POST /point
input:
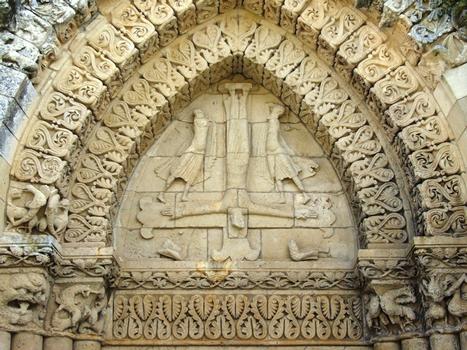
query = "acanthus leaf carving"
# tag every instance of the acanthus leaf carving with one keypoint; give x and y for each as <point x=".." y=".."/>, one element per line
<point x="371" y="171"/>
<point x="388" y="228"/>
<point x="380" y="199"/>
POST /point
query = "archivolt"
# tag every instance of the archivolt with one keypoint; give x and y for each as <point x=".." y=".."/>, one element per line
<point x="91" y="127"/>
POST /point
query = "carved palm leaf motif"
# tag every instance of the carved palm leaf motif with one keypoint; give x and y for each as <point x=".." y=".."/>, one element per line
<point x="130" y="123"/>
<point x="380" y="199"/>
<point x="263" y="45"/>
<point x="80" y="230"/>
<point x="108" y="143"/>
<point x="213" y="46"/>
<point x="370" y="171"/>
<point x="388" y="228"/>
<point x="326" y="97"/>
<point x="285" y="59"/>
<point x="164" y="76"/>
<point x="358" y="145"/>
<point x="37" y="167"/>
<point x="64" y="111"/>
<point x="378" y="64"/>
<point x="84" y="200"/>
<point x="142" y="94"/>
<point x="442" y="160"/>
<point x="51" y="140"/>
<point x="445" y="221"/>
<point x="238" y="33"/>
<point x="307" y="76"/>
<point x="114" y="45"/>
<point x="187" y="60"/>
<point x="339" y="123"/>
<point x="92" y="169"/>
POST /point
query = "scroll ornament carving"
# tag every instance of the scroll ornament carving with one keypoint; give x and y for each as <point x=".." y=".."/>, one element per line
<point x="65" y="112"/>
<point x="445" y="221"/>
<point x="79" y="267"/>
<point x="237" y="280"/>
<point x="163" y="18"/>
<point x="388" y="228"/>
<point x="439" y="160"/>
<point x="391" y="312"/>
<point x="441" y="257"/>
<point x="83" y="87"/>
<point x="375" y="67"/>
<point x="50" y="139"/>
<point x="36" y="209"/>
<point x="371" y="171"/>
<point x="80" y="309"/>
<point x="313" y="19"/>
<point x="440" y="192"/>
<point x="23" y="299"/>
<point x="100" y="66"/>
<point x="337" y="30"/>
<point x="185" y="12"/>
<point x="36" y="167"/>
<point x="387" y="269"/>
<point x="272" y="10"/>
<point x="289" y="14"/>
<point x="25" y="256"/>
<point x="237" y="317"/>
<point x="387" y="91"/>
<point x="206" y="9"/>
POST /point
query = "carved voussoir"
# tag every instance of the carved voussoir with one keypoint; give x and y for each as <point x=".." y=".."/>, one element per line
<point x="254" y="6"/>
<point x="337" y="30"/>
<point x="37" y="167"/>
<point x="445" y="221"/>
<point x="440" y="192"/>
<point x="135" y="26"/>
<point x="206" y="9"/>
<point x="375" y="67"/>
<point x="99" y="66"/>
<point x="320" y="101"/>
<point x="439" y="160"/>
<point x="289" y="14"/>
<point x="395" y="86"/>
<point x="185" y="11"/>
<point x="107" y="39"/>
<point x="278" y="67"/>
<point x="390" y="228"/>
<point x="162" y="16"/>
<point x="313" y="19"/>
<point x="356" y="48"/>
<point x="83" y="87"/>
<point x="189" y="63"/>
<point x="260" y="50"/>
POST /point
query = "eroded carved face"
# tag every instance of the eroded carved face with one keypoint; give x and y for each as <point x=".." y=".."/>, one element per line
<point x="23" y="298"/>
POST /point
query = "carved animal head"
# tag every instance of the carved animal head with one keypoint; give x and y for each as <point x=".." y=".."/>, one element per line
<point x="23" y="298"/>
<point x="405" y="295"/>
<point x="434" y="288"/>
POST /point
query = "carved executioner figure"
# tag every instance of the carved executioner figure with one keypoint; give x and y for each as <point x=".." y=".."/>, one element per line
<point x="279" y="155"/>
<point x="188" y="166"/>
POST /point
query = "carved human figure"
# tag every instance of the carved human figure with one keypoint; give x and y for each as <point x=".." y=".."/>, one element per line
<point x="297" y="254"/>
<point x="279" y="155"/>
<point x="189" y="165"/>
<point x="56" y="213"/>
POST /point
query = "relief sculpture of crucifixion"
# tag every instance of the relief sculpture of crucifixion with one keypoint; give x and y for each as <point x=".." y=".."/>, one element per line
<point x="236" y="203"/>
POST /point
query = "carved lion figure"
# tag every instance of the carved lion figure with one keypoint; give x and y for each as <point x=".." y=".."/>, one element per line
<point x="80" y="309"/>
<point x="23" y="298"/>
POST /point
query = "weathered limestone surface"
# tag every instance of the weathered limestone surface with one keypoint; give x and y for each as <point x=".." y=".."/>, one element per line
<point x="267" y="174"/>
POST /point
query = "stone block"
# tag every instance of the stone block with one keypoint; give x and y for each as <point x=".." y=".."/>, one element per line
<point x="8" y="144"/>
<point x="12" y="115"/>
<point x="16" y="85"/>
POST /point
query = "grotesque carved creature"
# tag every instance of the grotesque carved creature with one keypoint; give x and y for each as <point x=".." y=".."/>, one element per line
<point x="390" y="309"/>
<point x="80" y="309"/>
<point x="23" y="298"/>
<point x="36" y="209"/>
<point x="445" y="292"/>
